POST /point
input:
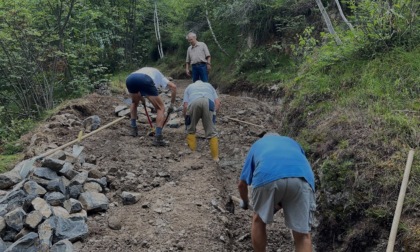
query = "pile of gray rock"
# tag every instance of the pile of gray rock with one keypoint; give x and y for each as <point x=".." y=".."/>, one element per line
<point x="44" y="205"/>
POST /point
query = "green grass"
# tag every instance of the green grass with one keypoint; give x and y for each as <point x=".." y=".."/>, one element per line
<point x="118" y="82"/>
<point x="8" y="161"/>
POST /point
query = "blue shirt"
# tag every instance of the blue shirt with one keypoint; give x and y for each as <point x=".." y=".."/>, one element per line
<point x="275" y="157"/>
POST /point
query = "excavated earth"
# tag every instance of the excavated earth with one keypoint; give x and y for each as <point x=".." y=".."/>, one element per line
<point x="183" y="194"/>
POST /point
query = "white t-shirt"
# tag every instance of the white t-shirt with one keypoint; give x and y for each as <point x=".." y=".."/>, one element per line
<point x="199" y="89"/>
<point x="157" y="77"/>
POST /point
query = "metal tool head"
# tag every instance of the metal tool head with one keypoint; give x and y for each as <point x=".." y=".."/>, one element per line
<point x="230" y="206"/>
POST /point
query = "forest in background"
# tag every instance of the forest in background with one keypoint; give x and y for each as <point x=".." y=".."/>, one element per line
<point x="346" y="72"/>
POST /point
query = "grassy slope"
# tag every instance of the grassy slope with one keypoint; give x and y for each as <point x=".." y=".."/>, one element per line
<point x="356" y="119"/>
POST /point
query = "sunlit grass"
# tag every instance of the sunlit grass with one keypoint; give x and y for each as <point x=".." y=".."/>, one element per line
<point x="8" y="161"/>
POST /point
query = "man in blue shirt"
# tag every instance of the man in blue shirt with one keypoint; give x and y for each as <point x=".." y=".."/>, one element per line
<point x="281" y="177"/>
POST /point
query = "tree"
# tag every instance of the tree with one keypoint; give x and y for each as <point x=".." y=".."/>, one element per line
<point x="157" y="31"/>
<point x="327" y="21"/>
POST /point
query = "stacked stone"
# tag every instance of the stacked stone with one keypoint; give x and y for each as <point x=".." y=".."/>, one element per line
<point x="47" y="208"/>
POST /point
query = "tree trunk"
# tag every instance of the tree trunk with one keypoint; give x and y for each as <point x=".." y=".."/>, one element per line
<point x="157" y="32"/>
<point x="211" y="30"/>
<point x="328" y="22"/>
<point x="343" y="16"/>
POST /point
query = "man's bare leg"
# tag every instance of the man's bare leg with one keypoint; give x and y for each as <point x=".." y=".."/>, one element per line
<point x="157" y="102"/>
<point x="259" y="234"/>
<point x="135" y="98"/>
<point x="303" y="242"/>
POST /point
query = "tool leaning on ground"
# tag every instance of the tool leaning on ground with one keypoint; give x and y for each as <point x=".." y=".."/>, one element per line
<point x="230" y="205"/>
<point x="152" y="132"/>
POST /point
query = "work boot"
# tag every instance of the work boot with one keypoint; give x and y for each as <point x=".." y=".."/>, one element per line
<point x="214" y="148"/>
<point x="192" y="141"/>
<point x="158" y="141"/>
<point x="134" y="131"/>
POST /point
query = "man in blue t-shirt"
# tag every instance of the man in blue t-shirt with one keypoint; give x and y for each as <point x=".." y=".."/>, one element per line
<point x="281" y="177"/>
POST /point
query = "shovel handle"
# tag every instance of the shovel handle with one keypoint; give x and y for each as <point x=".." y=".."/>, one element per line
<point x="147" y="114"/>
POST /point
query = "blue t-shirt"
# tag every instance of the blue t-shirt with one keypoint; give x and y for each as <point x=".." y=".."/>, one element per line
<point x="275" y="157"/>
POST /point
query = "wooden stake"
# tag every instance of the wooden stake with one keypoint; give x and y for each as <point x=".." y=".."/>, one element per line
<point x="398" y="209"/>
<point x="78" y="139"/>
<point x="237" y="120"/>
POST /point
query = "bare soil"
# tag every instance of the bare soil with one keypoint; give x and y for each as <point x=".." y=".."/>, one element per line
<point x="183" y="194"/>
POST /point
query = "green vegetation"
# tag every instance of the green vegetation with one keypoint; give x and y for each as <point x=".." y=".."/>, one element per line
<point x="354" y="106"/>
<point x="7" y="161"/>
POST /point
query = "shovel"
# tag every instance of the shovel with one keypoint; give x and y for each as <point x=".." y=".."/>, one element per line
<point x="230" y="205"/>
<point x="152" y="132"/>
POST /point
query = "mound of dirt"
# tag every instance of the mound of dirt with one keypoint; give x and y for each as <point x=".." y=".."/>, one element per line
<point x="182" y="194"/>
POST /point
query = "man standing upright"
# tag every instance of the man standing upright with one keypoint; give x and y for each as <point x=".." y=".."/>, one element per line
<point x="144" y="82"/>
<point x="201" y="102"/>
<point x="198" y="56"/>
<point x="281" y="177"/>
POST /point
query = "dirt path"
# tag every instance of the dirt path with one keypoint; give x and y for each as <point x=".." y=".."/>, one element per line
<point x="178" y="188"/>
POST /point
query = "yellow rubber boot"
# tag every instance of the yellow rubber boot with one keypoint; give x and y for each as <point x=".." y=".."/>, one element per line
<point x="214" y="148"/>
<point x="192" y="141"/>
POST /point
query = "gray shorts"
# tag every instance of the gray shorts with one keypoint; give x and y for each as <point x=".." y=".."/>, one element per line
<point x="200" y="109"/>
<point x="296" y="197"/>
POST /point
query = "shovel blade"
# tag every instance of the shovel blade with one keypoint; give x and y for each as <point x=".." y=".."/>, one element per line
<point x="77" y="149"/>
<point x="230" y="206"/>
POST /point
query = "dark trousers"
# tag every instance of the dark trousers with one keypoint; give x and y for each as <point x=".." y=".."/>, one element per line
<point x="199" y="72"/>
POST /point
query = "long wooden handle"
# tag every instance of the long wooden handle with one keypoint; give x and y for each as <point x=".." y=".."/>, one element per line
<point x="77" y="140"/>
<point x="398" y="209"/>
<point x="237" y="120"/>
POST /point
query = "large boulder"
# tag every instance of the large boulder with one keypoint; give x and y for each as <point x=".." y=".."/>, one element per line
<point x="56" y="185"/>
<point x="74" y="191"/>
<point x="28" y="243"/>
<point x="45" y="231"/>
<point x="79" y="179"/>
<point x="32" y="187"/>
<point x="46" y="173"/>
<point x="15" y="219"/>
<point x="33" y="219"/>
<point x="42" y="206"/>
<point x="68" y="171"/>
<point x="9" y="179"/>
<point x="62" y="246"/>
<point x="55" y="198"/>
<point x="94" y="202"/>
<point x="73" y="230"/>
<point x="13" y="198"/>
<point x="54" y="164"/>
<point x="24" y="168"/>
<point x="72" y="206"/>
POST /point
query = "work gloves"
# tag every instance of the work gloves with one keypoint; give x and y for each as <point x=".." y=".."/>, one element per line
<point x="244" y="204"/>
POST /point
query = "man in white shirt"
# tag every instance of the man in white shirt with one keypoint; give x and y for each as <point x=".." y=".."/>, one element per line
<point x="144" y="82"/>
<point x="201" y="102"/>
